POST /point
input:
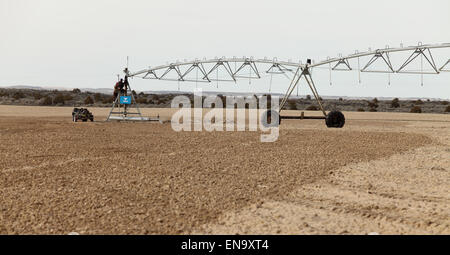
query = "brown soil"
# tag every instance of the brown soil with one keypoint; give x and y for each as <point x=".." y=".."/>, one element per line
<point x="143" y="178"/>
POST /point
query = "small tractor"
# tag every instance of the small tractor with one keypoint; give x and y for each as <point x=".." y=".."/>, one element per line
<point x="82" y="114"/>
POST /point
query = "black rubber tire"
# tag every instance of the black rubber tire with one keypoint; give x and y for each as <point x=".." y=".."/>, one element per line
<point x="92" y="119"/>
<point x="267" y="118"/>
<point x="84" y="120"/>
<point x="335" y="119"/>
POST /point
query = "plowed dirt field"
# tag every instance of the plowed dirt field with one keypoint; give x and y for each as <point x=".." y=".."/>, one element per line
<point x="377" y="174"/>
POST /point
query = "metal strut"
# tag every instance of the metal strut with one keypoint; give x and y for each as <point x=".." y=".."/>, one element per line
<point x="227" y="67"/>
<point x="342" y="62"/>
<point x="197" y="66"/>
<point x="307" y="74"/>
<point x="252" y="66"/>
<point x="177" y="70"/>
<point x="420" y="52"/>
<point x="442" y="68"/>
<point x="385" y="59"/>
<point x="150" y="72"/>
<point x="279" y="69"/>
<point x="291" y="88"/>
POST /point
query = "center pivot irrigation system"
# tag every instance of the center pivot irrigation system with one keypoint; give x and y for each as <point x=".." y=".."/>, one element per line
<point x="207" y="70"/>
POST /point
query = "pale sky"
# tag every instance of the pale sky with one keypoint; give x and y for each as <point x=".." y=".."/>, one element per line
<point x="85" y="43"/>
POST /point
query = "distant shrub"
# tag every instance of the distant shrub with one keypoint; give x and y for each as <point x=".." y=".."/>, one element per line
<point x="18" y="95"/>
<point x="59" y="99"/>
<point x="361" y="110"/>
<point x="97" y="97"/>
<point x="372" y="110"/>
<point x="375" y="100"/>
<point x="292" y="105"/>
<point x="416" y="109"/>
<point x="77" y="91"/>
<point x="308" y="97"/>
<point x="142" y="100"/>
<point x="373" y="105"/>
<point x="418" y="101"/>
<point x="142" y="94"/>
<point x="395" y="103"/>
<point x="312" y="108"/>
<point x="107" y="100"/>
<point x="68" y="97"/>
<point x="444" y="102"/>
<point x="340" y="99"/>
<point x="88" y="100"/>
<point x="163" y="101"/>
<point x="37" y="95"/>
<point x="447" y="109"/>
<point x="47" y="101"/>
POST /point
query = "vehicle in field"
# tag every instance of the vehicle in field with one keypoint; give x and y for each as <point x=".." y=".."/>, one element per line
<point x="82" y="114"/>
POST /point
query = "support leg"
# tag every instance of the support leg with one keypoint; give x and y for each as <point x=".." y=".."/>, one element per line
<point x="315" y="93"/>
<point x="113" y="106"/>
<point x="291" y="89"/>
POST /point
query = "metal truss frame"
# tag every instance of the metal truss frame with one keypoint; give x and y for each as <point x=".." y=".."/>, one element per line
<point x="280" y="69"/>
<point x="284" y="66"/>
<point x="152" y="73"/>
<point x="252" y="66"/>
<point x="383" y="51"/>
<point x="344" y="62"/>
<point x="420" y="52"/>
<point x="375" y="57"/>
<point x="170" y="68"/>
<point x="442" y="68"/>
<point x="199" y="66"/>
<point x="227" y="67"/>
<point x="302" y="70"/>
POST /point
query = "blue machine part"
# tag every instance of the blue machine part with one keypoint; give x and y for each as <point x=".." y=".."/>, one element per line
<point x="125" y="100"/>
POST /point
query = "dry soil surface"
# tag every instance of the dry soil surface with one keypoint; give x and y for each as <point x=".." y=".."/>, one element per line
<point x="377" y="174"/>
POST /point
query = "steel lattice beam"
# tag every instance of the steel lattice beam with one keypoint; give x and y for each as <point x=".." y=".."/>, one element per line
<point x="201" y="68"/>
<point x="170" y="68"/>
<point x="253" y="67"/>
<point x="385" y="57"/>
<point x="285" y="66"/>
<point x="150" y="72"/>
<point x="227" y="67"/>
<point x="344" y="62"/>
<point x="419" y="52"/>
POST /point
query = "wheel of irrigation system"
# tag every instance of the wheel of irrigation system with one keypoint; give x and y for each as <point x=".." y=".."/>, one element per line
<point x="267" y="117"/>
<point x="335" y="119"/>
